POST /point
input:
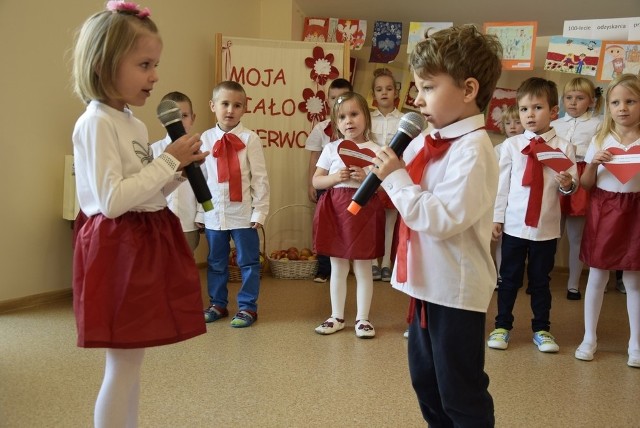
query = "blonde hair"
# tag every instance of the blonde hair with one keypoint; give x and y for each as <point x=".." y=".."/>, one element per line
<point x="510" y="112"/>
<point x="462" y="52"/>
<point x="228" y="85"/>
<point x="364" y="107"/>
<point x="608" y="126"/>
<point x="101" y="43"/>
<point x="586" y="86"/>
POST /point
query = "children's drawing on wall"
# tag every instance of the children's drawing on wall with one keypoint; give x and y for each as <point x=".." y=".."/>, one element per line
<point x="421" y="30"/>
<point x="617" y="58"/>
<point x="385" y="43"/>
<point x="410" y="97"/>
<point x="315" y="30"/>
<point x="321" y="30"/>
<point x="518" y="43"/>
<point x="502" y="98"/>
<point x="572" y="55"/>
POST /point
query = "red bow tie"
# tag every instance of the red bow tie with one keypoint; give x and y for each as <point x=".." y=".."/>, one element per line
<point x="225" y="150"/>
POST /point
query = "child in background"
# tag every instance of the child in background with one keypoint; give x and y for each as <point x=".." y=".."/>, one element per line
<point x="320" y="136"/>
<point x="182" y="202"/>
<point x="135" y="282"/>
<point x="237" y="176"/>
<point x="527" y="213"/>
<point x="443" y="259"/>
<point x="577" y="126"/>
<point x="384" y="124"/>
<point x="338" y="233"/>
<point x="611" y="237"/>
<point x="510" y="126"/>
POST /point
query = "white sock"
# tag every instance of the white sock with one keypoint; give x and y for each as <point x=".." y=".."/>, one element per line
<point x="364" y="281"/>
<point x="338" y="285"/>
<point x="117" y="402"/>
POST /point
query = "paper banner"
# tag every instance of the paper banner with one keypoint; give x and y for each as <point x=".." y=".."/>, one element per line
<point x="575" y="56"/>
<point x="624" y="165"/>
<point x="385" y="43"/>
<point x="602" y="29"/>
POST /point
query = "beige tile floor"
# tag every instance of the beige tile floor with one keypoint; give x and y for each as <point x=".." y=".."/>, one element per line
<point x="279" y="373"/>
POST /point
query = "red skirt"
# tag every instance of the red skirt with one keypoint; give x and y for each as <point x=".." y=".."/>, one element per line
<point x="611" y="236"/>
<point x="575" y="205"/>
<point x="135" y="282"/>
<point x="338" y="233"/>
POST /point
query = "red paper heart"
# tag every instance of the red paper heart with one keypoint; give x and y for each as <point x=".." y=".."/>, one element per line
<point x="623" y="171"/>
<point x="351" y="154"/>
<point x="557" y="164"/>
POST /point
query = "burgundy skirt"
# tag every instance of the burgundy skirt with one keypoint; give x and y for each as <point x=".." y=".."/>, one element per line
<point x="338" y="233"/>
<point x="611" y="236"/>
<point x="575" y="205"/>
<point x="135" y="281"/>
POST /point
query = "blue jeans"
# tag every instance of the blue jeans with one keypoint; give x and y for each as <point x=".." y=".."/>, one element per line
<point x="247" y="244"/>
<point x="539" y="257"/>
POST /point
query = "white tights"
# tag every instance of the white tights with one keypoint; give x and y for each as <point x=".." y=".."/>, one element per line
<point x="338" y="286"/>
<point x="117" y="402"/>
<point x="574" y="227"/>
<point x="596" y="284"/>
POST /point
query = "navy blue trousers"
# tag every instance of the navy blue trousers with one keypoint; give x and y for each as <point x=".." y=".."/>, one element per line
<point x="446" y="363"/>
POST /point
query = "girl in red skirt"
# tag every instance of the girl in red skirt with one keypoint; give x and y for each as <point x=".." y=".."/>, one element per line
<point x="578" y="126"/>
<point x="338" y="233"/>
<point x="135" y="281"/>
<point x="611" y="238"/>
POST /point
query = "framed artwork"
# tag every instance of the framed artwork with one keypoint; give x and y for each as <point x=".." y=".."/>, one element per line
<point x="571" y="55"/>
<point x="617" y="58"/>
<point x="501" y="99"/>
<point x="518" y="43"/>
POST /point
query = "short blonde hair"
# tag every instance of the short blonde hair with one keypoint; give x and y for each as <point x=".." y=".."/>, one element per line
<point x="364" y="106"/>
<point x="228" y="85"/>
<point x="101" y="43"/>
<point x="586" y="86"/>
<point x="510" y="112"/>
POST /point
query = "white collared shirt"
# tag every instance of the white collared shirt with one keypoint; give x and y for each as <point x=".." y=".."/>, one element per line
<point x="317" y="139"/>
<point x="449" y="215"/>
<point x="578" y="131"/>
<point x="513" y="197"/>
<point x="383" y="127"/>
<point x="254" y="207"/>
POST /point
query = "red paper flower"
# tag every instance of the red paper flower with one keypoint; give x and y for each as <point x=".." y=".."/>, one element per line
<point x="321" y="66"/>
<point x="314" y="105"/>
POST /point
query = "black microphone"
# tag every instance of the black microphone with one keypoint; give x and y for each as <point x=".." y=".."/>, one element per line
<point x="410" y="126"/>
<point x="171" y="117"/>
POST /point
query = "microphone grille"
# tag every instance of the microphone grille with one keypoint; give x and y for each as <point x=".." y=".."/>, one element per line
<point x="168" y="112"/>
<point x="412" y="124"/>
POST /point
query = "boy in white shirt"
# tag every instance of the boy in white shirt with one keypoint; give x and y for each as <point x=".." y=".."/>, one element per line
<point x="527" y="213"/>
<point x="182" y="201"/>
<point x="237" y="176"/>
<point x="443" y="260"/>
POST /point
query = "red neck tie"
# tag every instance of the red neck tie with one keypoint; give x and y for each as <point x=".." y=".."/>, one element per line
<point x="434" y="148"/>
<point x="328" y="130"/>
<point x="226" y="151"/>
<point x="534" y="178"/>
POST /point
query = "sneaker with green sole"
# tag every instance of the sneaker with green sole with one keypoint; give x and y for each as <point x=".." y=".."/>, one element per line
<point x="243" y="319"/>
<point x="214" y="313"/>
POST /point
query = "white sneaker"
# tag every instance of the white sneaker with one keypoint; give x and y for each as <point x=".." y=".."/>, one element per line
<point x="634" y="359"/>
<point x="499" y="338"/>
<point x="545" y="341"/>
<point x="330" y="326"/>
<point x="364" y="329"/>
<point x="585" y="351"/>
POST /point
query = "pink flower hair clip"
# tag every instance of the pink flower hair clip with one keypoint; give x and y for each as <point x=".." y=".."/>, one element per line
<point x="122" y="6"/>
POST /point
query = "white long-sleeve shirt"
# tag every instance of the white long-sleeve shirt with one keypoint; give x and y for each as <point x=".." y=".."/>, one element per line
<point x="182" y="201"/>
<point x="317" y="139"/>
<point x="383" y="127"/>
<point x="578" y="131"/>
<point x="513" y="197"/>
<point x="449" y="214"/>
<point x="254" y="207"/>
<point x="114" y="166"/>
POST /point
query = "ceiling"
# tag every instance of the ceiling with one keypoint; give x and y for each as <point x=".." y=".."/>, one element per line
<point x="550" y="15"/>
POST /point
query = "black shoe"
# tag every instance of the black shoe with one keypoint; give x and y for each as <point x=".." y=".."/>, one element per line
<point x="573" y="294"/>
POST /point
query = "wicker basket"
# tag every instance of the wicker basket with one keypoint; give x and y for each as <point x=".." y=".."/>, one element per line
<point x="234" y="271"/>
<point x="292" y="269"/>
